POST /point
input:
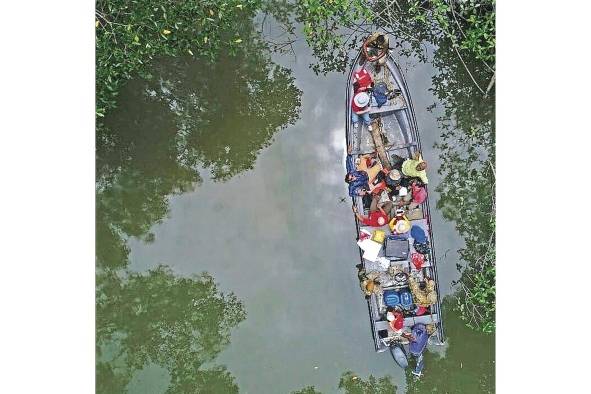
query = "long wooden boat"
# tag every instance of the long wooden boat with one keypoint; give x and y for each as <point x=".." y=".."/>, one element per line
<point x="395" y="120"/>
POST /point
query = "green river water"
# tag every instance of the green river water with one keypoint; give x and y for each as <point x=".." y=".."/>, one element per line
<point x="259" y="293"/>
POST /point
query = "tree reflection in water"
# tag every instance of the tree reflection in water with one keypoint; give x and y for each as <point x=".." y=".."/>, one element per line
<point x="158" y="318"/>
<point x="218" y="115"/>
<point x="213" y="113"/>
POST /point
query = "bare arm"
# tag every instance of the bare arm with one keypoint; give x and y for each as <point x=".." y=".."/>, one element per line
<point x="359" y="217"/>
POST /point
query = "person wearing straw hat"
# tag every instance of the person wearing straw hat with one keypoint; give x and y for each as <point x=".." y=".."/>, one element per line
<point x="360" y="109"/>
<point x="399" y="223"/>
<point x="368" y="281"/>
<point x="375" y="49"/>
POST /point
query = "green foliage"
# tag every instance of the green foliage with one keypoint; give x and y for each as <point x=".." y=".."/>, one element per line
<point x="470" y="25"/>
<point x="225" y="132"/>
<point x="307" y="390"/>
<point x="183" y="112"/>
<point x="460" y="370"/>
<point x="467" y="188"/>
<point x="158" y="318"/>
<point x="323" y="20"/>
<point x="131" y="33"/>
<point x="332" y="27"/>
<point x="462" y="35"/>
<point x="353" y="384"/>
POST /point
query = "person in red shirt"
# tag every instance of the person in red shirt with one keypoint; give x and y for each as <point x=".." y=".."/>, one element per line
<point x="377" y="214"/>
<point x="360" y="109"/>
<point x="362" y="81"/>
<point x="395" y="318"/>
<point x="419" y="195"/>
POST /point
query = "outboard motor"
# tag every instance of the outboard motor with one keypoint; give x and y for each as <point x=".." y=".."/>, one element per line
<point x="416" y="347"/>
<point x="399" y="355"/>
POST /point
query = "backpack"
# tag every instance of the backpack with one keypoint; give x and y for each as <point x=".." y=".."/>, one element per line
<point x="422" y="248"/>
<point x="380" y="93"/>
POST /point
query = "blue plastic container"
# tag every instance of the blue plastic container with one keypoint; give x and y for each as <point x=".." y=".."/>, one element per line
<point x="391" y="298"/>
<point x="405" y="299"/>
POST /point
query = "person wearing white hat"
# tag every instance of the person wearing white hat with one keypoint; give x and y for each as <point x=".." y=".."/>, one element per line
<point x="360" y="109"/>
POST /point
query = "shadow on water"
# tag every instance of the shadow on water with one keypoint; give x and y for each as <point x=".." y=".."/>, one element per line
<point x="190" y="114"/>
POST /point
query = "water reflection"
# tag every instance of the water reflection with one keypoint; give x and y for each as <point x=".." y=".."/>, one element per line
<point x="152" y="144"/>
<point x="190" y="113"/>
<point x="228" y="111"/>
<point x="158" y="318"/>
<point x="351" y="383"/>
<point x="468" y="366"/>
<point x="219" y="116"/>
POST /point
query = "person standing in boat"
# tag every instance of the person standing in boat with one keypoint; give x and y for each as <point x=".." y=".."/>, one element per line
<point x="360" y="109"/>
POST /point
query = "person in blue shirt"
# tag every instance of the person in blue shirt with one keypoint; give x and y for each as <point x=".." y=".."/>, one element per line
<point x="357" y="179"/>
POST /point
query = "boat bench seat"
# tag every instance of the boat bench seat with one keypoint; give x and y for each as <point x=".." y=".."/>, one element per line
<point x="408" y="321"/>
<point x="394" y="104"/>
<point x="425" y="319"/>
<point x="381" y="325"/>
